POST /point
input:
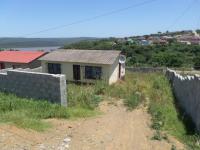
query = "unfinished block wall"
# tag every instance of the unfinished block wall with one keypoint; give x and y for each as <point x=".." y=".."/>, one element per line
<point x="187" y="92"/>
<point x="145" y="69"/>
<point x="35" y="85"/>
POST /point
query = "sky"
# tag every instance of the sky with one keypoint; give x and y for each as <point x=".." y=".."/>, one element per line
<point x="25" y="18"/>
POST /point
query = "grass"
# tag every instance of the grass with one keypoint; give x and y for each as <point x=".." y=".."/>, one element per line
<point x="26" y="113"/>
<point x="128" y="91"/>
<point x="166" y="116"/>
<point x="88" y="96"/>
<point x="82" y="96"/>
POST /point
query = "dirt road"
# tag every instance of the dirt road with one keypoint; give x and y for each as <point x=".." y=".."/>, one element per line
<point x="115" y="129"/>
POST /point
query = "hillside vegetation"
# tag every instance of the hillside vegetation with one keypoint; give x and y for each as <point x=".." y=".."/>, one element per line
<point x="170" y="55"/>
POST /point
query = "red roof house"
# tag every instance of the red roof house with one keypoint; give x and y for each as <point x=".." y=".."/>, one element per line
<point x="20" y="59"/>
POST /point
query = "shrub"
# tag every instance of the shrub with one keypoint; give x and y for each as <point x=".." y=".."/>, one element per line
<point x="197" y="62"/>
<point x="100" y="87"/>
<point x="132" y="101"/>
<point x="83" y="96"/>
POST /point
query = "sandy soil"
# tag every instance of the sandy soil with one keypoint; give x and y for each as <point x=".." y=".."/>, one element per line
<point x="115" y="129"/>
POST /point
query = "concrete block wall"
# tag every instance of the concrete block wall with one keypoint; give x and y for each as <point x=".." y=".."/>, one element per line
<point x="145" y="69"/>
<point x="35" y="85"/>
<point x="187" y="92"/>
<point x="39" y="69"/>
<point x="5" y="70"/>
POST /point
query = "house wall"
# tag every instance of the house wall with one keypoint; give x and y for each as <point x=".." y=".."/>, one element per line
<point x="146" y="69"/>
<point x="114" y="72"/>
<point x="35" y="85"/>
<point x="109" y="72"/>
<point x="33" y="64"/>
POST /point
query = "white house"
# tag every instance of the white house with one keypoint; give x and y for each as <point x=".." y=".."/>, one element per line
<point x="85" y="65"/>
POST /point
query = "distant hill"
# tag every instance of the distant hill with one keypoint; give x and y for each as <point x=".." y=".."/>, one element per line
<point x="39" y="42"/>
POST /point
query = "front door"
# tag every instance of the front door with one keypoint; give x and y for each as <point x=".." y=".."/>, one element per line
<point x="120" y="65"/>
<point x="2" y="66"/>
<point x="76" y="72"/>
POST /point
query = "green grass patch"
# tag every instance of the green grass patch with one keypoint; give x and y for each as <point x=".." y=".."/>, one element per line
<point x="76" y="112"/>
<point x="132" y="101"/>
<point x="20" y="119"/>
<point x="83" y="96"/>
<point x="29" y="113"/>
<point x="129" y="91"/>
<point x="89" y="96"/>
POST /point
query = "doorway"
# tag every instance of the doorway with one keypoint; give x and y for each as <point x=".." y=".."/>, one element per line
<point x="120" y="65"/>
<point x="76" y="72"/>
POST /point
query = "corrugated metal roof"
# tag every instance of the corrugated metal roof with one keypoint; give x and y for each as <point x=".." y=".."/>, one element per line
<point x="19" y="56"/>
<point x="83" y="56"/>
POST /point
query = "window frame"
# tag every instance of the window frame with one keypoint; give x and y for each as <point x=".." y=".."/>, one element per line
<point x="93" y="72"/>
<point x="54" y="68"/>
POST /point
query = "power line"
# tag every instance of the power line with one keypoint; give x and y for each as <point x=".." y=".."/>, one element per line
<point x="92" y="18"/>
<point x="182" y="14"/>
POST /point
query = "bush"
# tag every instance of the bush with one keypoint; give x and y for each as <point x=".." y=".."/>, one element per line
<point x="168" y="59"/>
<point x="100" y="87"/>
<point x="83" y="96"/>
<point x="197" y="62"/>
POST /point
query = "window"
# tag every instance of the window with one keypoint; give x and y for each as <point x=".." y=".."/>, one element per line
<point x="92" y="72"/>
<point x="54" y="68"/>
<point x="2" y="66"/>
<point x="13" y="66"/>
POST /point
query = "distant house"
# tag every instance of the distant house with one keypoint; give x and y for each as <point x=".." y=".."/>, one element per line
<point x="185" y="42"/>
<point x="20" y="59"/>
<point x="85" y="65"/>
<point x="189" y="40"/>
<point x="160" y="41"/>
<point x="145" y="42"/>
<point x="130" y="41"/>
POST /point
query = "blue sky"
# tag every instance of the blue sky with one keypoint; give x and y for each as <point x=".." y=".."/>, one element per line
<point x="21" y="17"/>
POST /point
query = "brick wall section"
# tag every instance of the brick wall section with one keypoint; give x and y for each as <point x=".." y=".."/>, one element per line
<point x="187" y="92"/>
<point x="145" y="69"/>
<point x="5" y="70"/>
<point x="35" y="85"/>
<point x="39" y="69"/>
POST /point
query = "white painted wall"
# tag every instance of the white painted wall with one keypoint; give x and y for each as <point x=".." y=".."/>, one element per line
<point x="114" y="72"/>
<point x="109" y="72"/>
